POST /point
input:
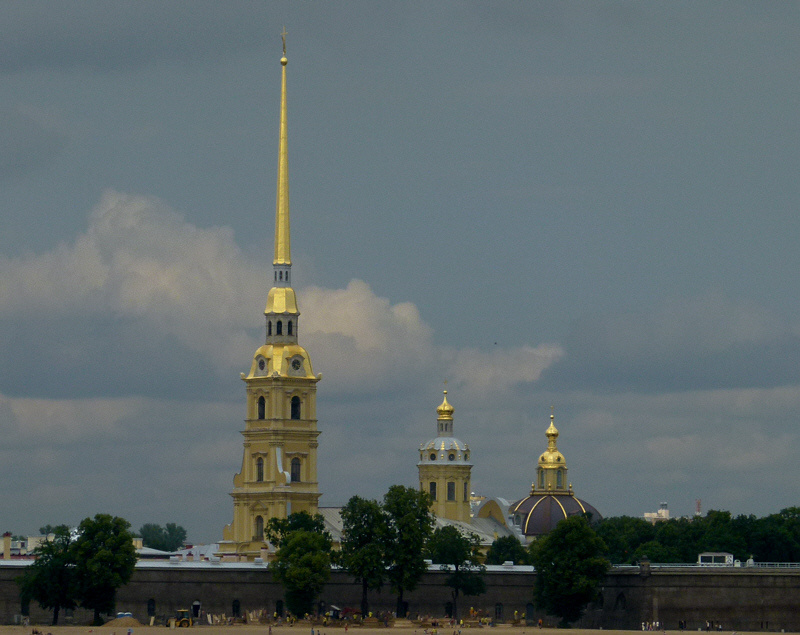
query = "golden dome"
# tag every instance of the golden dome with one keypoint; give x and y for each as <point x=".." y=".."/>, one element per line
<point x="445" y="410"/>
<point x="551" y="457"/>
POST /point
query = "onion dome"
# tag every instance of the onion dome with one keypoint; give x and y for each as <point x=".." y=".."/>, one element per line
<point x="445" y="448"/>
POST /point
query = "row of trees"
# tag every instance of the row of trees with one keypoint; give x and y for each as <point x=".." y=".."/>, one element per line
<point x="383" y="542"/>
<point x="773" y="538"/>
<point x="82" y="567"/>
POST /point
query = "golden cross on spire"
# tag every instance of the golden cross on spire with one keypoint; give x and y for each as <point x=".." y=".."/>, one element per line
<point x="283" y="37"/>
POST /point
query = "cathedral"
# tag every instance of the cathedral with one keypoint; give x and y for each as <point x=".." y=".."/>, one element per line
<point x="279" y="463"/>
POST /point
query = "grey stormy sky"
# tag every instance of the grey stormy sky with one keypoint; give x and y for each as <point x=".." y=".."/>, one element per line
<point x="591" y="205"/>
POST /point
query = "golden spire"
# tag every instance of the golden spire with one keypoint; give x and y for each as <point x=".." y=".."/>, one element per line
<point x="283" y="254"/>
<point x="552" y="432"/>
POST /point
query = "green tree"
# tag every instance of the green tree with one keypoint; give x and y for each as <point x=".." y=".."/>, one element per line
<point x="303" y="566"/>
<point x="507" y="548"/>
<point x="50" y="580"/>
<point x="104" y="558"/>
<point x="47" y="530"/>
<point x="458" y="554"/>
<point x="169" y="538"/>
<point x="364" y="539"/>
<point x="409" y="526"/>
<point x="623" y="535"/>
<point x="570" y="568"/>
<point x="278" y="529"/>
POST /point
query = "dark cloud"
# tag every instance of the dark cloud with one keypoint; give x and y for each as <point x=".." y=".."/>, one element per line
<point x="27" y="143"/>
<point x="704" y="344"/>
<point x="122" y="34"/>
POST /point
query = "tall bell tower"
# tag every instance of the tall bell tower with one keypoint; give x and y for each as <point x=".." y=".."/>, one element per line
<point x="279" y="464"/>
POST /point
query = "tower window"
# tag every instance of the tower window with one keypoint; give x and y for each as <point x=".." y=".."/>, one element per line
<point x="287" y="276"/>
<point x="280" y="275"/>
<point x="259" y="469"/>
<point x="451" y="457"/>
<point x="466" y="491"/>
<point x="279" y="328"/>
<point x="295" y="414"/>
<point x="451" y="491"/>
<point x="269" y="328"/>
<point x="433" y="490"/>
<point x="433" y="456"/>
<point x="558" y="478"/>
<point x="295" y="470"/>
<point x="262" y="407"/>
<point x="289" y="328"/>
<point x="258" y="534"/>
<point x="541" y="478"/>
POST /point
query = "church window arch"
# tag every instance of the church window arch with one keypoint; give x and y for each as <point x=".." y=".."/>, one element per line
<point x="258" y="533"/>
<point x="259" y="469"/>
<point x="280" y="275"/>
<point x="262" y="407"/>
<point x="559" y="478"/>
<point x="432" y="490"/>
<point x="289" y="328"/>
<point x="269" y="327"/>
<point x="287" y="276"/>
<point x="295" y="408"/>
<point x="541" y="478"/>
<point x="295" y="474"/>
<point x="278" y="328"/>
<point x="451" y="490"/>
<point x="466" y="491"/>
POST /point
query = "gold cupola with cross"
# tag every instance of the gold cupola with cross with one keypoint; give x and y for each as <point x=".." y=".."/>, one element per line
<point x="551" y="498"/>
<point x="445" y="469"/>
<point x="279" y="463"/>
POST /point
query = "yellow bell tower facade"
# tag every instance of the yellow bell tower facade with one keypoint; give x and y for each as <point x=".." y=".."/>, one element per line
<point x="279" y="464"/>
<point x="444" y="469"/>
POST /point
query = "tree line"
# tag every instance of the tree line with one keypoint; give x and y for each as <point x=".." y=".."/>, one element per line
<point x="386" y="542"/>
<point x="773" y="538"/>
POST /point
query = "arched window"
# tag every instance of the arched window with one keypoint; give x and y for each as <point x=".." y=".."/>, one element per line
<point x="466" y="490"/>
<point x="269" y="327"/>
<point x="287" y="276"/>
<point x="280" y="276"/>
<point x="432" y="490"/>
<point x="289" y="328"/>
<point x="541" y="478"/>
<point x="558" y="478"/>
<point x="295" y="470"/>
<point x="295" y="407"/>
<point x="258" y="534"/>
<point x="279" y="328"/>
<point x="259" y="469"/>
<point x="451" y="491"/>
<point x="262" y="407"/>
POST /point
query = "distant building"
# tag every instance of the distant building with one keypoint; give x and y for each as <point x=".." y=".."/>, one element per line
<point x="658" y="516"/>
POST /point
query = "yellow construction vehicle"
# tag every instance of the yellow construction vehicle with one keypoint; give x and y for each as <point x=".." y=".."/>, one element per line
<point x="183" y="618"/>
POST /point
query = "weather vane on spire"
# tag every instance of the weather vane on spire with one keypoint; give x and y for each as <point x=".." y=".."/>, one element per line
<point x="283" y="37"/>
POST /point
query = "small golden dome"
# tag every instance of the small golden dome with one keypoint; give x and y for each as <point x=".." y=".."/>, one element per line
<point x="445" y="410"/>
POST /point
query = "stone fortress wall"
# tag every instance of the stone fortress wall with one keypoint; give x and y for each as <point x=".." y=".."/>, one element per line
<point x="742" y="599"/>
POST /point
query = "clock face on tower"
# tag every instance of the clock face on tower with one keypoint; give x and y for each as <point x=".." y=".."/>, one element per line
<point x="296" y="366"/>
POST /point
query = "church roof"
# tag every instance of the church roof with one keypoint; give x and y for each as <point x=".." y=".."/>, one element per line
<point x="540" y="512"/>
